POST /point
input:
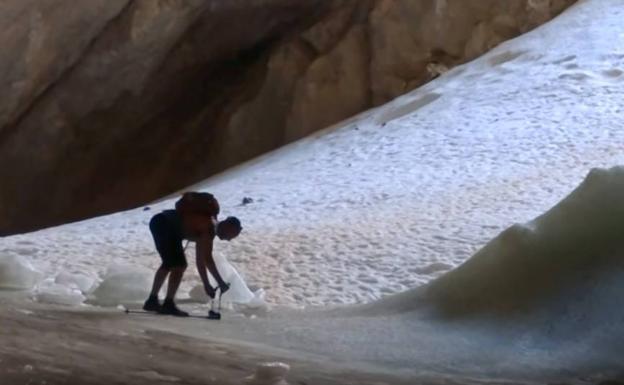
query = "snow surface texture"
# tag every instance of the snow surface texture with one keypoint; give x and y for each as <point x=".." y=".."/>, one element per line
<point x="395" y="197"/>
<point x="123" y="285"/>
<point x="17" y="273"/>
<point x="269" y="373"/>
<point x="541" y="301"/>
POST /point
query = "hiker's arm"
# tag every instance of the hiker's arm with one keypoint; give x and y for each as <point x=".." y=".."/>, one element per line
<point x="205" y="254"/>
<point x="200" y="261"/>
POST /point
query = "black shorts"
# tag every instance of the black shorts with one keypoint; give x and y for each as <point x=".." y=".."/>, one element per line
<point x="168" y="242"/>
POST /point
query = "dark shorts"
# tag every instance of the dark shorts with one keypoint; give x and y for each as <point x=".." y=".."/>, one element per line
<point x="168" y="242"/>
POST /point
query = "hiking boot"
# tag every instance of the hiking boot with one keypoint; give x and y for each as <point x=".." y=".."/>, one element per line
<point x="170" y="308"/>
<point x="151" y="304"/>
<point x="214" y="315"/>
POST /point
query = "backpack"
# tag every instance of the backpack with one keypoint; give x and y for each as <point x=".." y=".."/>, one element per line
<point x="202" y="203"/>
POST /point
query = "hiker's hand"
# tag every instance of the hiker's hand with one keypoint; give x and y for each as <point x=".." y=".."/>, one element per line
<point x="210" y="291"/>
<point x="224" y="287"/>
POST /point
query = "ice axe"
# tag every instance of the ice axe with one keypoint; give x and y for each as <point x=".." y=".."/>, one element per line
<point x="212" y="314"/>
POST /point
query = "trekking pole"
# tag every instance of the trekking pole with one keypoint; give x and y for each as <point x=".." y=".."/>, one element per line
<point x="215" y="314"/>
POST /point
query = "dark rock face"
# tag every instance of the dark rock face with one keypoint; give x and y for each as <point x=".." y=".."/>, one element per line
<point x="108" y="104"/>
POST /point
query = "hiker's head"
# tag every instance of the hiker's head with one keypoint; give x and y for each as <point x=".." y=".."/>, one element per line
<point x="229" y="228"/>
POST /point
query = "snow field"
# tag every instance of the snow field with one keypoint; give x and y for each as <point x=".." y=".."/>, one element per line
<point x="396" y="197"/>
<point x="17" y="273"/>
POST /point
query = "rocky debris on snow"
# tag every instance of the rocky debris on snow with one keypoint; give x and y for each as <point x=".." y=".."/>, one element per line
<point x="269" y="373"/>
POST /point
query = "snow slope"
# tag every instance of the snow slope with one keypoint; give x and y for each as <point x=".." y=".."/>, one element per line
<point x="397" y="196"/>
<point x="393" y="199"/>
<point x="541" y="301"/>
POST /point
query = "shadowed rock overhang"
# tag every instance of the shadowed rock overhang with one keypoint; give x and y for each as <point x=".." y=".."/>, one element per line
<point x="108" y="104"/>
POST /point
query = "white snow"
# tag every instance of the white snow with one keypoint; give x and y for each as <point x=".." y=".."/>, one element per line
<point x="64" y="293"/>
<point x="123" y="285"/>
<point x="362" y="210"/>
<point x="239" y="292"/>
<point x="400" y="195"/>
<point x="269" y="373"/>
<point x="17" y="273"/>
<point x="543" y="299"/>
<point x="85" y="283"/>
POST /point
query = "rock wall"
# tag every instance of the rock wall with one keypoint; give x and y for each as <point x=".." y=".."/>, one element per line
<point x="108" y="104"/>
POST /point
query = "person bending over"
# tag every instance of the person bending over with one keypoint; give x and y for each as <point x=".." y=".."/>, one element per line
<point x="194" y="219"/>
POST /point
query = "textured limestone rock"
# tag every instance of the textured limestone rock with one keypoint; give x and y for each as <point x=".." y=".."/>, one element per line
<point x="409" y="36"/>
<point x="334" y="87"/>
<point x="108" y="104"/>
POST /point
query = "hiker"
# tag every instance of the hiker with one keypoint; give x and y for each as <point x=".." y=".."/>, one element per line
<point x="194" y="219"/>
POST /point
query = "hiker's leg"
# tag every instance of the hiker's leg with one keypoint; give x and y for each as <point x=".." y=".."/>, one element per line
<point x="175" y="277"/>
<point x="164" y="242"/>
<point x="174" y="281"/>
<point x="159" y="279"/>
